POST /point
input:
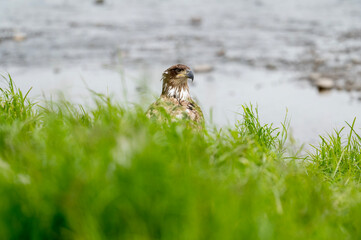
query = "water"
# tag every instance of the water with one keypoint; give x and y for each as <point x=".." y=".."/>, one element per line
<point x="261" y="51"/>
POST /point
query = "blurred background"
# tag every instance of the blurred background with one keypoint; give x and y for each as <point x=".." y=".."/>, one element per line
<point x="303" y="57"/>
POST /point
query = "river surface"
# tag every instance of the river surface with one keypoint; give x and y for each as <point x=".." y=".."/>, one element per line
<point x="262" y="52"/>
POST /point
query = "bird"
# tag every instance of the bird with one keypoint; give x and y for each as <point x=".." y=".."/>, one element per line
<point x="175" y="99"/>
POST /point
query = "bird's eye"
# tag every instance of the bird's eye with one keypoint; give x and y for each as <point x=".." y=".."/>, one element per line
<point x="178" y="70"/>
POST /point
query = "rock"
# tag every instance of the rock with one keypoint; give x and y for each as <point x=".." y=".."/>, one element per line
<point x="357" y="86"/>
<point x="324" y="84"/>
<point x="314" y="77"/>
<point x="348" y="88"/>
<point x="196" y="21"/>
<point x="203" y="68"/>
<point x="356" y="61"/>
<point x="99" y="1"/>
<point x="250" y="62"/>
<point x="74" y="24"/>
<point x="270" y="66"/>
<point x="348" y="85"/>
<point x="221" y="53"/>
<point x="56" y="70"/>
<point x="19" y="37"/>
<point x="338" y="85"/>
<point x="319" y="61"/>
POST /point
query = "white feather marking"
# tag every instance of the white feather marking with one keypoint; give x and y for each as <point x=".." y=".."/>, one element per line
<point x="172" y="92"/>
<point x="183" y="94"/>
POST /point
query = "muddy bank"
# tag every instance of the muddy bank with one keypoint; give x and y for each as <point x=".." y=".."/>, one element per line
<point x="308" y="37"/>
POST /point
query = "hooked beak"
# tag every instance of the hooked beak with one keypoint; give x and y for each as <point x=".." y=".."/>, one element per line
<point x="190" y="75"/>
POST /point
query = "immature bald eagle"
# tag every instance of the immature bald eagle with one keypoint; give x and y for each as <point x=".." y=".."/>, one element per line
<point x="175" y="98"/>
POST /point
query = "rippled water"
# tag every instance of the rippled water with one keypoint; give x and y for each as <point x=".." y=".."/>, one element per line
<point x="261" y="51"/>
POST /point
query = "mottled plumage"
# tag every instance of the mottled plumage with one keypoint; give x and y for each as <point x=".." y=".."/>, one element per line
<point x="175" y="98"/>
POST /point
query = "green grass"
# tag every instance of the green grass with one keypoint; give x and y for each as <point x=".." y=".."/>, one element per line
<point x="110" y="173"/>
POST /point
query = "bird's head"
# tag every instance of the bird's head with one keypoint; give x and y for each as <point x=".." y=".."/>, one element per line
<point x="175" y="81"/>
<point x="177" y="74"/>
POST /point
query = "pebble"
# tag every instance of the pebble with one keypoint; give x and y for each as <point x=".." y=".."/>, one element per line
<point x="203" y="68"/>
<point x="325" y="83"/>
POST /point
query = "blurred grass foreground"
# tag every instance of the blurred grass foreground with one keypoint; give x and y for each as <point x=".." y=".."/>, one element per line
<point x="110" y="173"/>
